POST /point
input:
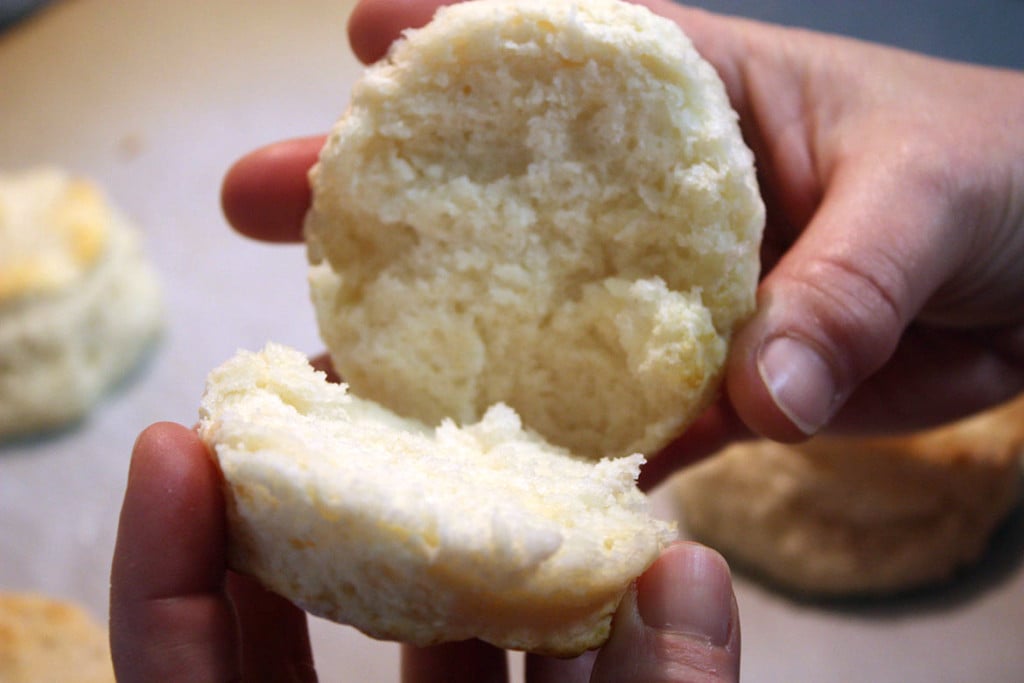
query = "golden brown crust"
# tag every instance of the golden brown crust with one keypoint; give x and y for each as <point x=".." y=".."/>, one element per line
<point x="996" y="436"/>
<point x="45" y="639"/>
<point x="847" y="516"/>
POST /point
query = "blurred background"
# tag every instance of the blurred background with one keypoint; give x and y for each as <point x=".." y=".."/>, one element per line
<point x="154" y="100"/>
<point x="986" y="32"/>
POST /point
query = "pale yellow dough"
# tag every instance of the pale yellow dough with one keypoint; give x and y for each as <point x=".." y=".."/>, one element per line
<point x="547" y="204"/>
<point x="416" y="533"/>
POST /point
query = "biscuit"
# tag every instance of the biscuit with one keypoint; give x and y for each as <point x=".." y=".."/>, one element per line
<point x="416" y="533"/>
<point x="542" y="203"/>
<point x="44" y="639"/>
<point x="842" y="516"/>
<point x="532" y="235"/>
<point x="78" y="301"/>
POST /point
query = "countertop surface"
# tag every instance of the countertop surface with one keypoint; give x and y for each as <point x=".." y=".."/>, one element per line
<point x="154" y="100"/>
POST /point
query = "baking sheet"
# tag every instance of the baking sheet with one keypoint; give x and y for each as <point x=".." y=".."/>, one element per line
<point x="154" y="100"/>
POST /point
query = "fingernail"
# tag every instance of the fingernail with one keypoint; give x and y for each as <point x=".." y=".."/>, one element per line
<point x="688" y="591"/>
<point x="799" y="381"/>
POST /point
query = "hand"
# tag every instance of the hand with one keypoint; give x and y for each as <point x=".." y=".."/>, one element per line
<point x="892" y="295"/>
<point x="178" y="614"/>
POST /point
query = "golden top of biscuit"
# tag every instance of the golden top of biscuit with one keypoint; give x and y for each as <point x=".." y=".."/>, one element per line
<point x="43" y="639"/>
<point x="992" y="438"/>
<point x="53" y="229"/>
<point x="858" y="516"/>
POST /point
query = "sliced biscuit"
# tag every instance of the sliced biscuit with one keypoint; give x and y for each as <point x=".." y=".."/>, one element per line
<point x="417" y="533"/>
<point x="542" y="203"/>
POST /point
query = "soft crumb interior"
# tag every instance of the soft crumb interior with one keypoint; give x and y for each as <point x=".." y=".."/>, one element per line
<point x="544" y="217"/>
<point x="277" y="424"/>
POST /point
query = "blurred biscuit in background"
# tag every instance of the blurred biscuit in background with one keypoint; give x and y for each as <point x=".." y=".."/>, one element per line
<point x="79" y="302"/>
<point x="859" y="516"/>
<point x="44" y="639"/>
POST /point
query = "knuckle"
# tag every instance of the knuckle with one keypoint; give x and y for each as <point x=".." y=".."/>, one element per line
<point x="856" y="310"/>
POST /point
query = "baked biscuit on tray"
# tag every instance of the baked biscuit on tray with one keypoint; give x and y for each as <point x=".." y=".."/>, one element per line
<point x="79" y="301"/>
<point x="859" y="516"/>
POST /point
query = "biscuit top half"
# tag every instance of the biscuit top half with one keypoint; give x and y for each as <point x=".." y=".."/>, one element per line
<point x="542" y="203"/>
<point x="53" y="230"/>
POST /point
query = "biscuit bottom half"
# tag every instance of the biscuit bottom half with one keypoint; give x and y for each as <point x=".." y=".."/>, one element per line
<point x="415" y="533"/>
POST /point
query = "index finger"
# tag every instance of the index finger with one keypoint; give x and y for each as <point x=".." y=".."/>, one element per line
<point x="169" y="616"/>
<point x="266" y="193"/>
<point x="173" y="617"/>
<point x="375" y="24"/>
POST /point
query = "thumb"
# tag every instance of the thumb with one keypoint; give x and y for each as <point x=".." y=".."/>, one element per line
<point x="834" y="308"/>
<point x="679" y="625"/>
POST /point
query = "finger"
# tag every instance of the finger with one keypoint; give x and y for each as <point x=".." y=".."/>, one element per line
<point x="266" y="193"/>
<point x="274" y="635"/>
<point x="324" y="364"/>
<point x="832" y="311"/>
<point x="680" y="624"/>
<point x="716" y="428"/>
<point x="553" y="670"/>
<point x="934" y="377"/>
<point x="468" y="660"/>
<point x="375" y="24"/>
<point x="169" y="617"/>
